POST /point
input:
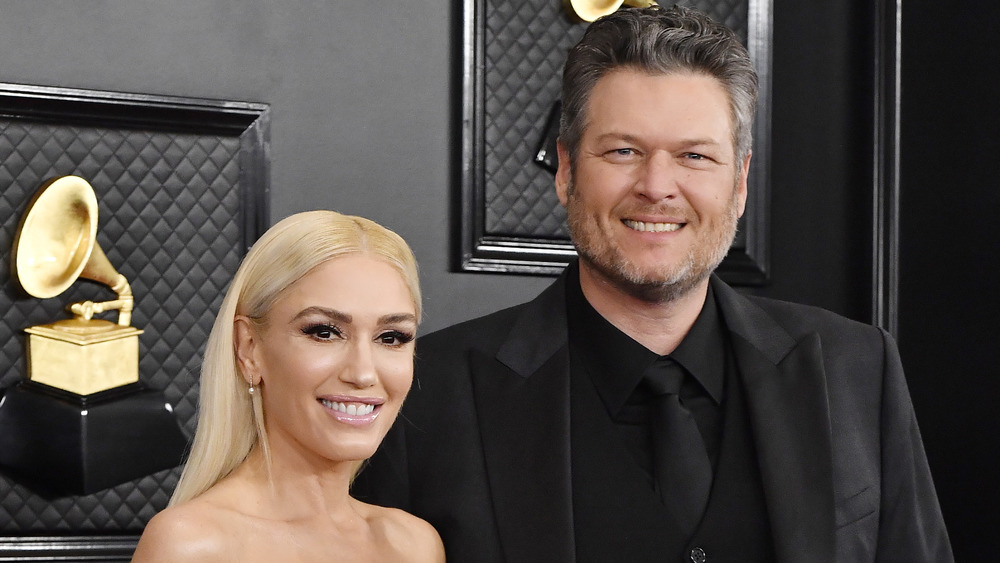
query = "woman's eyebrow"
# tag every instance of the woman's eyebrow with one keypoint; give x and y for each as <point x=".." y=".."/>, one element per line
<point x="347" y="318"/>
<point x="332" y="314"/>
<point x="398" y="318"/>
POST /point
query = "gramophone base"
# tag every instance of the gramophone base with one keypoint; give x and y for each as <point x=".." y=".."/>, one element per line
<point x="65" y="443"/>
<point x="83" y="357"/>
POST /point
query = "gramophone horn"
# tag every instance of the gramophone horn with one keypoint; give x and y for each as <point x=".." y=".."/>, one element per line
<point x="56" y="236"/>
<point x="56" y="243"/>
<point x="590" y="10"/>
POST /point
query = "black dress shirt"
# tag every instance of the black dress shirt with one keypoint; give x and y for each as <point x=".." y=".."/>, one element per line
<point x="615" y="364"/>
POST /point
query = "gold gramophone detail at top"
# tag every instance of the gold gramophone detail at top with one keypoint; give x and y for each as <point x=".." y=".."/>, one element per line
<point x="590" y="10"/>
<point x="56" y="243"/>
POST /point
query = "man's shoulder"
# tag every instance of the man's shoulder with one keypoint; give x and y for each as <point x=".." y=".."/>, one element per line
<point x="834" y="329"/>
<point x="480" y="331"/>
<point x="789" y="311"/>
<point x="796" y="318"/>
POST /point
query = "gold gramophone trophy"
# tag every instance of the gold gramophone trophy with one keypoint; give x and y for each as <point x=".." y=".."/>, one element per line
<point x="55" y="244"/>
<point x="82" y="421"/>
<point x="590" y="10"/>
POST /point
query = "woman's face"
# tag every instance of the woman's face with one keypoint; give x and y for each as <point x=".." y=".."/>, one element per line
<point x="334" y="359"/>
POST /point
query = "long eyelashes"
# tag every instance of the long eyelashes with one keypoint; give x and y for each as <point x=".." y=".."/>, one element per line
<point x="395" y="338"/>
<point x="322" y="331"/>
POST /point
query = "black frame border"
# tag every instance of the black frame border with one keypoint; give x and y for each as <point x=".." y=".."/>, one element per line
<point x="886" y="160"/>
<point x="249" y="121"/>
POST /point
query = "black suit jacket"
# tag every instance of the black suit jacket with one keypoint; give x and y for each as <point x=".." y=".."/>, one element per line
<point x="481" y="449"/>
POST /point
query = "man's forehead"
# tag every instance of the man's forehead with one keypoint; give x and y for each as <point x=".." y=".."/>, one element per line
<point x="632" y="103"/>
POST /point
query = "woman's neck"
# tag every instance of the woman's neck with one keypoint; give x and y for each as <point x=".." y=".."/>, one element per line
<point x="299" y="486"/>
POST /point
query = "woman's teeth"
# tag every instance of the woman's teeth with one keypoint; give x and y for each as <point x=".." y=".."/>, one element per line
<point x="349" y="408"/>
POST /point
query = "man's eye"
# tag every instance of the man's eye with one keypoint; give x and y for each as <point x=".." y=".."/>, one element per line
<point x="322" y="331"/>
<point x="624" y="154"/>
<point x="695" y="156"/>
<point x="395" y="338"/>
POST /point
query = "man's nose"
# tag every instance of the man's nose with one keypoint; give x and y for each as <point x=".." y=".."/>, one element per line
<point x="658" y="177"/>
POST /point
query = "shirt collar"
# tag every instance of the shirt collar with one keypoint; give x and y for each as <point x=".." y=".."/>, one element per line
<point x="703" y="350"/>
<point x="619" y="361"/>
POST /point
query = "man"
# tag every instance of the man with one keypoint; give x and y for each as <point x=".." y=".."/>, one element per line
<point x="545" y="432"/>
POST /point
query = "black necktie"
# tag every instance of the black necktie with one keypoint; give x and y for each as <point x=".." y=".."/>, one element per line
<point x="680" y="462"/>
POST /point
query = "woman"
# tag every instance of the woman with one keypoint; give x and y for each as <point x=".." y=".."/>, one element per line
<point x="307" y="365"/>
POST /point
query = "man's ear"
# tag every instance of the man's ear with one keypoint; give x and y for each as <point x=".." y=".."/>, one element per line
<point x="246" y="346"/>
<point x="741" y="184"/>
<point x="563" y="174"/>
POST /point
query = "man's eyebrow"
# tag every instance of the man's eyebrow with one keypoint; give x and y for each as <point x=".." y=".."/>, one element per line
<point x="700" y="142"/>
<point x="629" y="138"/>
<point x="614" y="135"/>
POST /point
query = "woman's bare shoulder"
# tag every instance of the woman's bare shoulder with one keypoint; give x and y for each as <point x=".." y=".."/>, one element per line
<point x="192" y="531"/>
<point x="413" y="538"/>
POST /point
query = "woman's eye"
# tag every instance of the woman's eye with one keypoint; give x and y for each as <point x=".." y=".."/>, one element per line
<point x="322" y="331"/>
<point x="395" y="338"/>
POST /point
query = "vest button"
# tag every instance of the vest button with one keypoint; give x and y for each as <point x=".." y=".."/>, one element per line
<point x="698" y="555"/>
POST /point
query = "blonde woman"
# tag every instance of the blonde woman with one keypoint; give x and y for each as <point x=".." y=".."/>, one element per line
<point x="307" y="365"/>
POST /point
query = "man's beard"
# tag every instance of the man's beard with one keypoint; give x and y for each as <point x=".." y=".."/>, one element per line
<point x="658" y="284"/>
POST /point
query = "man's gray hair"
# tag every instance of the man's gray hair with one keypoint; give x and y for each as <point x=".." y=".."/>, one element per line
<point x="659" y="41"/>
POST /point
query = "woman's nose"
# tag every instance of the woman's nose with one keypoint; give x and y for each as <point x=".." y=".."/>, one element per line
<point x="360" y="369"/>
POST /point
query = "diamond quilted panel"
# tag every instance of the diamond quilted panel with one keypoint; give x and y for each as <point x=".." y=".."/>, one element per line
<point x="171" y="222"/>
<point x="525" y="46"/>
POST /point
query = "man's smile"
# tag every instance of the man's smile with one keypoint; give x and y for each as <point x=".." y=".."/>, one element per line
<point x="650" y="227"/>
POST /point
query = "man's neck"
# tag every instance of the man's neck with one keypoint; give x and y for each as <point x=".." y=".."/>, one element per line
<point x="659" y="326"/>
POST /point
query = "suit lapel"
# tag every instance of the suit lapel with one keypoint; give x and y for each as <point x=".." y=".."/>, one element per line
<point x="787" y="402"/>
<point x="522" y="397"/>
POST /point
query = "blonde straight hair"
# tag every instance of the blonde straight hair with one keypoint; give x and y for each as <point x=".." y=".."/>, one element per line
<point x="231" y="420"/>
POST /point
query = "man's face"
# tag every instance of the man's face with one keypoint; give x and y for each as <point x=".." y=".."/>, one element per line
<point x="655" y="193"/>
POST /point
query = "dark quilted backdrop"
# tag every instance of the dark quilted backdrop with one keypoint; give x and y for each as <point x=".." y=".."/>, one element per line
<point x="525" y="45"/>
<point x="171" y="220"/>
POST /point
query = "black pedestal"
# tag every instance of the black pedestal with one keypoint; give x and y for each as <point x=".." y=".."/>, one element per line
<point x="65" y="443"/>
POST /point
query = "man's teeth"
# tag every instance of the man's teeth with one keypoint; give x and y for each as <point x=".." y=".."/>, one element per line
<point x="651" y="227"/>
<point x="351" y="409"/>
